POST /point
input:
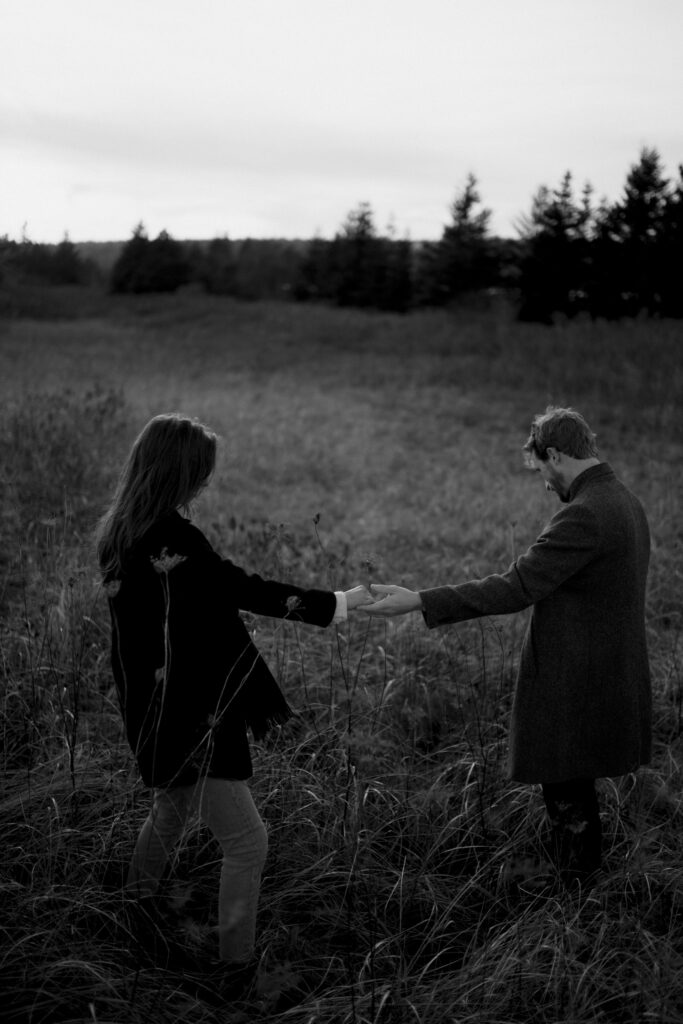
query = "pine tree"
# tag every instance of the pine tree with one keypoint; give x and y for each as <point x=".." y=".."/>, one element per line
<point x="67" y="265"/>
<point x="642" y="211"/>
<point x="127" y="274"/>
<point x="168" y="265"/>
<point x="150" y="266"/>
<point x="314" y="278"/>
<point x="638" y="224"/>
<point x="215" y="266"/>
<point x="397" y="282"/>
<point x="357" y="260"/>
<point x="672" y="251"/>
<point x="463" y="261"/>
<point x="555" y="272"/>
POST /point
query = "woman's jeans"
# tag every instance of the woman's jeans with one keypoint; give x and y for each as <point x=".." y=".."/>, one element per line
<point x="576" y="833"/>
<point x="227" y="808"/>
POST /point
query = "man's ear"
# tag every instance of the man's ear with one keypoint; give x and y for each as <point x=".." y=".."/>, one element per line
<point x="553" y="453"/>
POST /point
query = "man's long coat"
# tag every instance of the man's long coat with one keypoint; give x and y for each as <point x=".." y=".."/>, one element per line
<point x="582" y="705"/>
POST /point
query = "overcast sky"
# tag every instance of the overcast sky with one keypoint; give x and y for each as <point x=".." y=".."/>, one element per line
<point x="274" y="118"/>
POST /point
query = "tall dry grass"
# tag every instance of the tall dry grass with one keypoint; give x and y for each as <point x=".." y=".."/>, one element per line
<point x="406" y="878"/>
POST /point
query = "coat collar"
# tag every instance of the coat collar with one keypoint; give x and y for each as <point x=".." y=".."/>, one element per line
<point x="603" y="471"/>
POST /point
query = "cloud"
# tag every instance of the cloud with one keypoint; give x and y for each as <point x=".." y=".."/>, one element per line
<point x="173" y="145"/>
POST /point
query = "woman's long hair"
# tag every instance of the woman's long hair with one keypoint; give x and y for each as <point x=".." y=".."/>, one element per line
<point x="169" y="463"/>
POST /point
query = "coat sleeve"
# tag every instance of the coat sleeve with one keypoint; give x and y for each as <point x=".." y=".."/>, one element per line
<point x="227" y="582"/>
<point x="252" y="593"/>
<point x="569" y="542"/>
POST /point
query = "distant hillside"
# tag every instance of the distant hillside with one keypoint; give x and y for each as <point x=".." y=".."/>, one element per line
<point x="105" y="254"/>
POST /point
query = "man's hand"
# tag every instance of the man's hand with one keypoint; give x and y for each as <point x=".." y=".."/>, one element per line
<point x="391" y="600"/>
<point x="357" y="598"/>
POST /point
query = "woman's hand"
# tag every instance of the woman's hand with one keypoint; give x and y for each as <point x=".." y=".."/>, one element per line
<point x="358" y="598"/>
<point x="392" y="600"/>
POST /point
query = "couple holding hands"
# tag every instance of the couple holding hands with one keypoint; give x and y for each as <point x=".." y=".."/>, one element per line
<point x="191" y="682"/>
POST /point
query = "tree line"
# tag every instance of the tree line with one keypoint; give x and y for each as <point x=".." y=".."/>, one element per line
<point x="572" y="256"/>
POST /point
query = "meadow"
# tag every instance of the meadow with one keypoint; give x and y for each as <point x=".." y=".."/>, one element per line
<point x="405" y="880"/>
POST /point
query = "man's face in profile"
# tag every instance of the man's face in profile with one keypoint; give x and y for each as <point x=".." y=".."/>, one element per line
<point x="552" y="477"/>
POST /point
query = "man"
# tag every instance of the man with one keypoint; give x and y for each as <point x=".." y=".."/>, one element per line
<point x="582" y="705"/>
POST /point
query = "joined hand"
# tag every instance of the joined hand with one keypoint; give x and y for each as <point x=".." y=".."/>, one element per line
<point x="358" y="597"/>
<point x="392" y="600"/>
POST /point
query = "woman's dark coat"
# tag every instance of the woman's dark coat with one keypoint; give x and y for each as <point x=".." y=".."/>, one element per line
<point x="189" y="677"/>
<point x="582" y="706"/>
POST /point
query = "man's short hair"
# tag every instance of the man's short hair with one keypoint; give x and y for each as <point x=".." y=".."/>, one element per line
<point x="564" y="429"/>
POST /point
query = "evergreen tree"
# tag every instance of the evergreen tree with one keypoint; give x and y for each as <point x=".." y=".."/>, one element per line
<point x="607" y="288"/>
<point x="356" y="258"/>
<point x="215" y="266"/>
<point x="397" y="280"/>
<point x="150" y="266"/>
<point x="555" y="272"/>
<point x="128" y="272"/>
<point x="67" y="265"/>
<point x="7" y="254"/>
<point x="358" y="267"/>
<point x="671" y="281"/>
<point x="168" y="265"/>
<point x="315" y="279"/>
<point x="630" y="245"/>
<point x="638" y="223"/>
<point x="642" y="211"/>
<point x="46" y="264"/>
<point x="463" y="261"/>
<point x="34" y="260"/>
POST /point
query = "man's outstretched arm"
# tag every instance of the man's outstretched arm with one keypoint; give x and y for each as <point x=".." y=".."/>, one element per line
<point x="568" y="543"/>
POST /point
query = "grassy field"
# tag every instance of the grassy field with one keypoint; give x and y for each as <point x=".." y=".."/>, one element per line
<point x="403" y="876"/>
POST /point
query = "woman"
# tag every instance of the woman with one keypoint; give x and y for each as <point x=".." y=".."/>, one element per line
<point x="189" y="678"/>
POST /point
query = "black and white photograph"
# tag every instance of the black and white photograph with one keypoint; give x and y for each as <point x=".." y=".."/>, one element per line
<point x="341" y="505"/>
